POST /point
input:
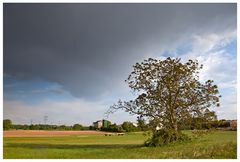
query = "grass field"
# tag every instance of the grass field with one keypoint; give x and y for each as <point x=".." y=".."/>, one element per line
<point x="217" y="144"/>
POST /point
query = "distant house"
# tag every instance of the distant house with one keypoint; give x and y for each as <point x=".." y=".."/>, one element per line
<point x="98" y="124"/>
<point x="228" y="124"/>
<point x="233" y="124"/>
<point x="135" y="124"/>
<point x="101" y="123"/>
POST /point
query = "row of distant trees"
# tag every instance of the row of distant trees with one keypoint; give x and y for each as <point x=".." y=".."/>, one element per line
<point x="7" y="124"/>
<point x="195" y="123"/>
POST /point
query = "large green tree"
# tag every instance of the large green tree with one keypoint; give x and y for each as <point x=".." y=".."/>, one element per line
<point x="168" y="91"/>
<point x="7" y="124"/>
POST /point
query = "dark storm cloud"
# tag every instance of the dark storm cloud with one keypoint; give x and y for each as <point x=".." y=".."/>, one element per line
<point x="90" y="48"/>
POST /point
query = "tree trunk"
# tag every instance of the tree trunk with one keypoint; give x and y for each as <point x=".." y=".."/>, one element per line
<point x="175" y="126"/>
<point x="174" y="120"/>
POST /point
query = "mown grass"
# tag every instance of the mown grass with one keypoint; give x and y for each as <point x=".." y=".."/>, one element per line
<point x="217" y="144"/>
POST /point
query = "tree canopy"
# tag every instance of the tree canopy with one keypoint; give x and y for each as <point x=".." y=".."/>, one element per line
<point x="7" y="124"/>
<point x="168" y="91"/>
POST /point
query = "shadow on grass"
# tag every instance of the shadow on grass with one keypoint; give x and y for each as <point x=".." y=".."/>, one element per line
<point x="70" y="146"/>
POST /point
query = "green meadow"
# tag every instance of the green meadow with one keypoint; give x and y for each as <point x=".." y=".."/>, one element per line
<point x="216" y="144"/>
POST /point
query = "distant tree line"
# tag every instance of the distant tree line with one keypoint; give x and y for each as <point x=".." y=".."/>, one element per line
<point x="195" y="123"/>
<point x="49" y="127"/>
<point x="7" y="125"/>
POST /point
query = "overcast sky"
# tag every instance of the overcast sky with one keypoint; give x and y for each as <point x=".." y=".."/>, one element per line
<point x="69" y="61"/>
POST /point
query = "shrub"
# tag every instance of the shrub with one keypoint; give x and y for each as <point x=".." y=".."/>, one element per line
<point x="164" y="136"/>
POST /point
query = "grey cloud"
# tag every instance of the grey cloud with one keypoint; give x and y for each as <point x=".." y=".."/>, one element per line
<point x="49" y="90"/>
<point x="90" y="48"/>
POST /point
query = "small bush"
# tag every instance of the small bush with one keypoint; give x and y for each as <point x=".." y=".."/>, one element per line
<point x="163" y="137"/>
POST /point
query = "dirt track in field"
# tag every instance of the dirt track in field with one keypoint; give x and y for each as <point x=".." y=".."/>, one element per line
<point x="43" y="133"/>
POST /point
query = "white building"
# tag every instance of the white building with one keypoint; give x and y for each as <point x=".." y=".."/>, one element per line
<point x="98" y="124"/>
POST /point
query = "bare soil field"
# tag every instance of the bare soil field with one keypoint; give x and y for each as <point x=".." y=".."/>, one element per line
<point x="44" y="133"/>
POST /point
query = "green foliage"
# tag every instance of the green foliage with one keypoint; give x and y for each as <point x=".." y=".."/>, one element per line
<point x="223" y="124"/>
<point x="77" y="127"/>
<point x="49" y="127"/>
<point x="165" y="136"/>
<point x="24" y="127"/>
<point x="141" y="124"/>
<point x="91" y="127"/>
<point x="106" y="123"/>
<point x="64" y="127"/>
<point x="206" y="120"/>
<point x="112" y="128"/>
<point x="31" y="127"/>
<point x="7" y="124"/>
<point x="129" y="127"/>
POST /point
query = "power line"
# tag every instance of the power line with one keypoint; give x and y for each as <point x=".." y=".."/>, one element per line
<point x="45" y="119"/>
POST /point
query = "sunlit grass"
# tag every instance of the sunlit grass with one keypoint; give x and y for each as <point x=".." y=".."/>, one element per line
<point x="218" y="144"/>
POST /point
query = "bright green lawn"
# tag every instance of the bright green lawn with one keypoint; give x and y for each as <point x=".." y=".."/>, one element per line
<point x="218" y="144"/>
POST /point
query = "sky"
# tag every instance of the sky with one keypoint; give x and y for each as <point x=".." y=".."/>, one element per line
<point x="69" y="61"/>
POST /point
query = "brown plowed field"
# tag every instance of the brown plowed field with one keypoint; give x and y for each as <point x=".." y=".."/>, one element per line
<point x="43" y="133"/>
